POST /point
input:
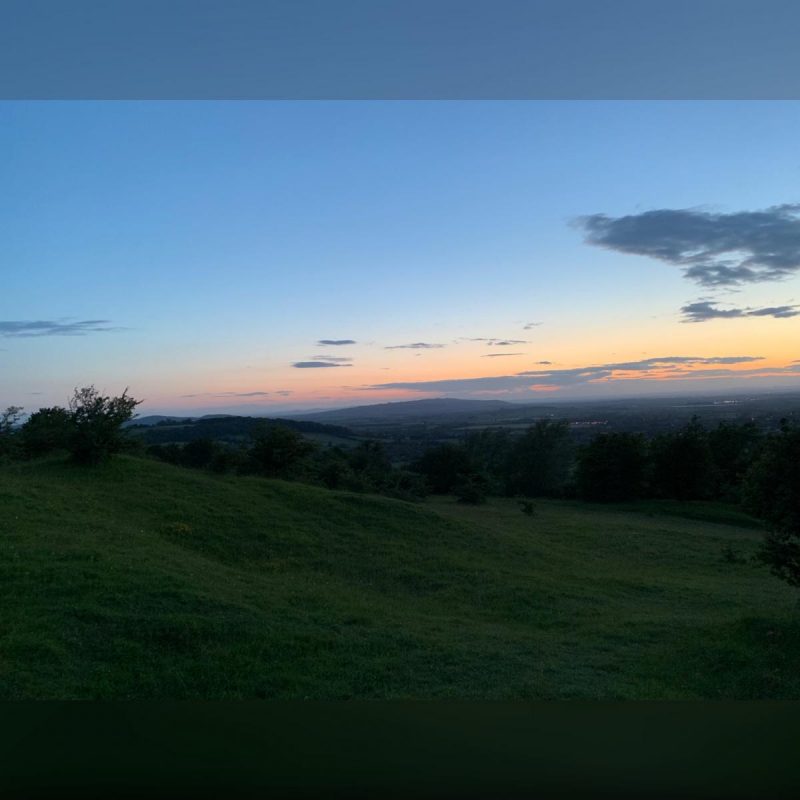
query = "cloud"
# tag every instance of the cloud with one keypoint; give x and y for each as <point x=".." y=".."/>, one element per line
<point x="227" y="394"/>
<point x="336" y="342"/>
<point x="414" y="346"/>
<point x="501" y="355"/>
<point x="17" y="329"/>
<point x="705" y="310"/>
<point x="333" y="359"/>
<point x="665" y="367"/>
<point x="497" y="342"/>
<point x="713" y="249"/>
<point x="530" y="325"/>
<point x="318" y="364"/>
<point x="545" y="363"/>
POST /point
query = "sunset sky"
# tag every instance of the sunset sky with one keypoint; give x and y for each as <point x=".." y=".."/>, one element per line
<point x="261" y="257"/>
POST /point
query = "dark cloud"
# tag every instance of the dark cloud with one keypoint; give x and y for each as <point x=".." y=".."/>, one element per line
<point x="705" y="310"/>
<point x="676" y="366"/>
<point x="414" y="346"/>
<point x="501" y="355"/>
<point x="713" y="249"/>
<point x="333" y="359"/>
<point x="545" y="363"/>
<point x="317" y="364"/>
<point x="337" y="342"/>
<point x="531" y="325"/>
<point x="29" y="328"/>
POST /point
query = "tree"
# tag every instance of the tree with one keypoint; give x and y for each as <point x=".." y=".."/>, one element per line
<point x="97" y="423"/>
<point x="9" y="420"/>
<point x="471" y="489"/>
<point x="198" y="453"/>
<point x="683" y="467"/>
<point x="46" y="430"/>
<point x="277" y="451"/>
<point x="772" y="492"/>
<point x="612" y="467"/>
<point x="734" y="447"/>
<point x="444" y="467"/>
<point x="540" y="460"/>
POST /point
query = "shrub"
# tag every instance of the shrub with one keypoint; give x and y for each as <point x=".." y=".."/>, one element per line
<point x="46" y="430"/>
<point x="97" y="422"/>
<point x="9" y="420"/>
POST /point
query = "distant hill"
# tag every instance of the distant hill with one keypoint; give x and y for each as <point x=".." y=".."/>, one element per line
<point x="155" y="419"/>
<point x="406" y="410"/>
<point x="224" y="428"/>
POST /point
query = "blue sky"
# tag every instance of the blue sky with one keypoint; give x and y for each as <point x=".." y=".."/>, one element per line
<point x="219" y="241"/>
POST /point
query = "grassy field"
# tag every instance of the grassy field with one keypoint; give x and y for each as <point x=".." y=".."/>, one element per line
<point x="143" y="580"/>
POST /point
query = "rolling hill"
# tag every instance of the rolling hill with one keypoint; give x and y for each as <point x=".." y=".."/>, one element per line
<point x="143" y="580"/>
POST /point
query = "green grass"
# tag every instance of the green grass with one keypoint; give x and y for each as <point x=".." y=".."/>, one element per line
<point x="143" y="580"/>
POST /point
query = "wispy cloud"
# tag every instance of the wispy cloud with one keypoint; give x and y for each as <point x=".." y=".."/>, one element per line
<point x="333" y="359"/>
<point x="712" y="249"/>
<point x="493" y="342"/>
<point x="501" y="355"/>
<point x="17" y="329"/>
<point x="704" y="310"/>
<point x="414" y="346"/>
<point x="528" y="326"/>
<point x="334" y="342"/>
<point x="318" y="364"/>
<point x="666" y="367"/>
<point x="228" y="394"/>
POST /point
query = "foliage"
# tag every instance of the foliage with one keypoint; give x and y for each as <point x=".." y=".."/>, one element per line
<point x="540" y="460"/>
<point x="9" y="421"/>
<point x="444" y="467"/>
<point x="772" y="492"/>
<point x="277" y="451"/>
<point x="682" y="463"/>
<point x="734" y="447"/>
<point x="96" y="422"/>
<point x="471" y="489"/>
<point x="46" y="430"/>
<point x="612" y="467"/>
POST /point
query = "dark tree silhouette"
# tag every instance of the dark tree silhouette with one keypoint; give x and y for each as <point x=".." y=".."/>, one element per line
<point x="772" y="492"/>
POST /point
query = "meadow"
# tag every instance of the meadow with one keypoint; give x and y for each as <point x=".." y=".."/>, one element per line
<point x="139" y="579"/>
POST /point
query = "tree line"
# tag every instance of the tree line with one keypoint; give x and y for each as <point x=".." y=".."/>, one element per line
<point x="734" y="462"/>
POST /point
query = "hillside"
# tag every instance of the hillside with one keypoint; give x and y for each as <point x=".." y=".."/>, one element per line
<point x="143" y="580"/>
<point x="406" y="410"/>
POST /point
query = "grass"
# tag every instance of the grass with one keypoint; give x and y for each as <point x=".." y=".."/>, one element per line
<point x="143" y="580"/>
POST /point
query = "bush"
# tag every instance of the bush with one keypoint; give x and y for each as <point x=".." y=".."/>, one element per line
<point x="199" y="453"/>
<point x="45" y="431"/>
<point x="96" y="424"/>
<point x="9" y="420"/>
<point x="471" y="489"/>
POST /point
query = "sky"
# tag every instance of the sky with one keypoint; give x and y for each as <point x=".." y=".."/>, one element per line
<point x="263" y="257"/>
